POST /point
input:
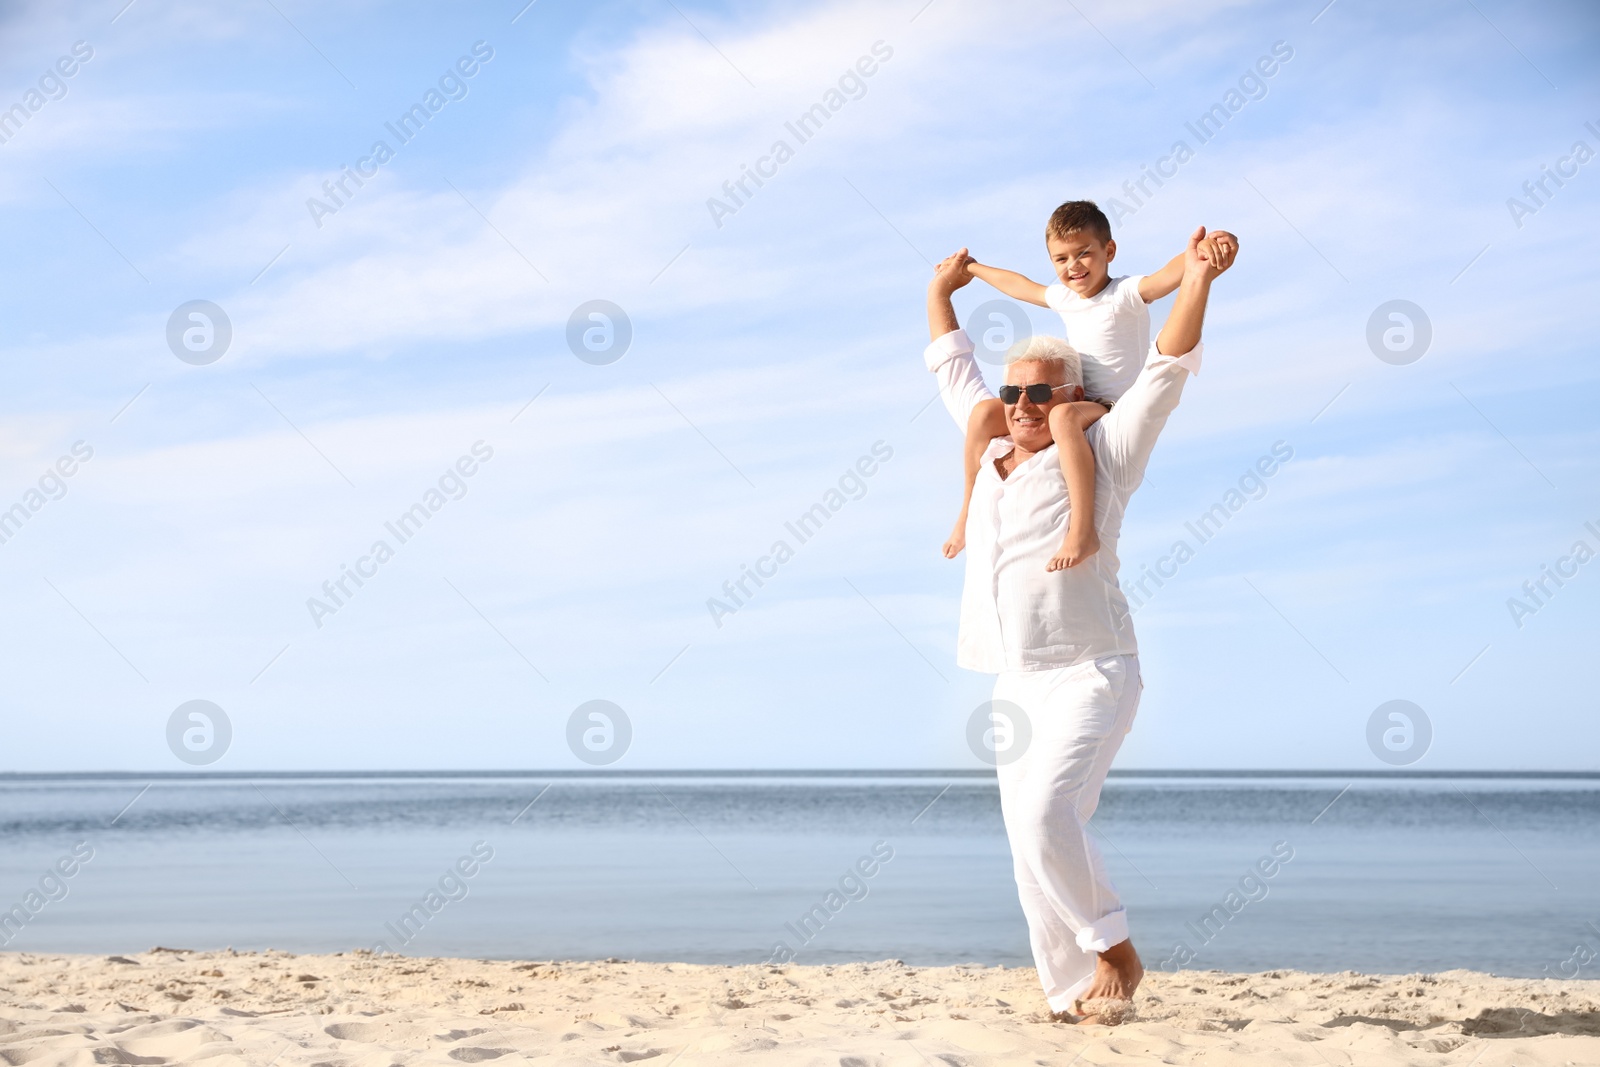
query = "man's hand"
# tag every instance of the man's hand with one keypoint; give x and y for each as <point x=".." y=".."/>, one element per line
<point x="951" y="274"/>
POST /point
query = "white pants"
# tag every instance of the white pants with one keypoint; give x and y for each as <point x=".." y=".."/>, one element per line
<point x="1078" y="717"/>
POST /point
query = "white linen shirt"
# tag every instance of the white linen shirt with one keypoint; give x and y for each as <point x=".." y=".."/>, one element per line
<point x="1015" y="615"/>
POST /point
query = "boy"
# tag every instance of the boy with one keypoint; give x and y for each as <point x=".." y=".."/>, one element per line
<point x="1108" y="321"/>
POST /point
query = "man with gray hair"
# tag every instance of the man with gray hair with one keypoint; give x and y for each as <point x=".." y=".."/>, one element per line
<point x="1053" y="352"/>
<point x="1061" y="642"/>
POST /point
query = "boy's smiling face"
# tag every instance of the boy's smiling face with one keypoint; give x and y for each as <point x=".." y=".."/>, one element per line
<point x="1081" y="261"/>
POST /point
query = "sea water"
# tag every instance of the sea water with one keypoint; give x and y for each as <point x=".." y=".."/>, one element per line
<point x="1371" y="874"/>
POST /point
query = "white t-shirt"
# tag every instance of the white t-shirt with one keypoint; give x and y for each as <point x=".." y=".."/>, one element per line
<point x="1110" y="330"/>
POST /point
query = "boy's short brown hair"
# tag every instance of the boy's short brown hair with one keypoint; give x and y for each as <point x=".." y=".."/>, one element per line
<point x="1076" y="215"/>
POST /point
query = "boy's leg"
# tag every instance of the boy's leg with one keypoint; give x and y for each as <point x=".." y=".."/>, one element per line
<point x="988" y="421"/>
<point x="1067" y="425"/>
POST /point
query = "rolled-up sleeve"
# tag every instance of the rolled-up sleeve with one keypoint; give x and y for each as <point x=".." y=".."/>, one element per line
<point x="1127" y="435"/>
<point x="961" y="385"/>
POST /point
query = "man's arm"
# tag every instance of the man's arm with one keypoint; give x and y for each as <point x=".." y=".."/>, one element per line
<point x="1009" y="282"/>
<point x="1203" y="260"/>
<point x="950" y="275"/>
<point x="1153" y="287"/>
<point x="1128" y="434"/>
<point x="950" y="355"/>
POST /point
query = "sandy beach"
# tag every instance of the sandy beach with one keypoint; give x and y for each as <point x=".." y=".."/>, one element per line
<point x="356" y="1010"/>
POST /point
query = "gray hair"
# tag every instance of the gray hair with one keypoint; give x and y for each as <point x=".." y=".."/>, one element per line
<point x="1053" y="352"/>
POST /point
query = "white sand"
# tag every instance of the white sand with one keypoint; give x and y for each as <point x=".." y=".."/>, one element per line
<point x="225" y="1008"/>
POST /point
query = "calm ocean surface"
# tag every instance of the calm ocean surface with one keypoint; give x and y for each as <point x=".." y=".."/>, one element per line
<point x="1397" y="875"/>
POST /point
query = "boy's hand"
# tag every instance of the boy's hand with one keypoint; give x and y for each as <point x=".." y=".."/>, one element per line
<point x="1208" y="256"/>
<point x="1222" y="247"/>
<point x="951" y="273"/>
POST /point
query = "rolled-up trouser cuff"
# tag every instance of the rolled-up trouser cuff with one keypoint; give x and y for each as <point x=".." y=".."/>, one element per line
<point x="1104" y="932"/>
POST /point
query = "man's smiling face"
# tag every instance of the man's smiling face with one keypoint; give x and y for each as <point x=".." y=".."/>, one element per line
<point x="1027" y="421"/>
<point x="1081" y="260"/>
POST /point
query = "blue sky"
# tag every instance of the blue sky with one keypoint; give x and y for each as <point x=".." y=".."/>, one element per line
<point x="769" y="353"/>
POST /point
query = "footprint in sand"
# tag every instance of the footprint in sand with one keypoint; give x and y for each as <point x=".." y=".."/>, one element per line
<point x="396" y="1032"/>
<point x="169" y="1040"/>
<point x="113" y="1054"/>
<point x="478" y="1055"/>
<point x="363" y="1032"/>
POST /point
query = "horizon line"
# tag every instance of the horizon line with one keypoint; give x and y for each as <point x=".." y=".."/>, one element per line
<point x="814" y="772"/>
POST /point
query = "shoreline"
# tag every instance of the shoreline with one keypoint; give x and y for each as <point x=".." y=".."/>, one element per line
<point x="272" y="1006"/>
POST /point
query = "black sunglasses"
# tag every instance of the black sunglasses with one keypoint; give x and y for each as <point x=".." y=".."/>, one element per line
<point x="1039" y="394"/>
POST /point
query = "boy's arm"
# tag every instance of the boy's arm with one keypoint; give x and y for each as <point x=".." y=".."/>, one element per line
<point x="1013" y="284"/>
<point x="1153" y="287"/>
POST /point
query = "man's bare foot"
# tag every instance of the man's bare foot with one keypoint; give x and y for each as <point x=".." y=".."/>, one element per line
<point x="958" y="539"/>
<point x="1109" y="999"/>
<point x="1075" y="548"/>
